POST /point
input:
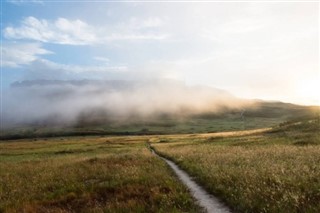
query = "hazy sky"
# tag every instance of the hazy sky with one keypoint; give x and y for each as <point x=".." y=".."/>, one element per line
<point x="253" y="50"/>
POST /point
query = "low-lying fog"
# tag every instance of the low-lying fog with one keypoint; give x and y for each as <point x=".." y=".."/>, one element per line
<point x="65" y="102"/>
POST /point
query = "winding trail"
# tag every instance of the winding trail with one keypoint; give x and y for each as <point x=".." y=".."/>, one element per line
<point x="204" y="199"/>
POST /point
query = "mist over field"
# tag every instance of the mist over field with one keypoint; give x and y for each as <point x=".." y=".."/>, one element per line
<point x="67" y="102"/>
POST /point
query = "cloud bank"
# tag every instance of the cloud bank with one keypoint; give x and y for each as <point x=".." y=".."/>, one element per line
<point x="67" y="102"/>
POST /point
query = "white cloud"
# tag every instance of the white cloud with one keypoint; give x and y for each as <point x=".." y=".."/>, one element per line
<point x="61" y="31"/>
<point x="78" y="32"/>
<point x="15" y="55"/>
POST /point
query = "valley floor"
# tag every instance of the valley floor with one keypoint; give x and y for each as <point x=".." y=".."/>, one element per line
<point x="270" y="170"/>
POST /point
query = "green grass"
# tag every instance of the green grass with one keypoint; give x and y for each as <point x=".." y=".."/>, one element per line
<point x="87" y="174"/>
<point x="274" y="171"/>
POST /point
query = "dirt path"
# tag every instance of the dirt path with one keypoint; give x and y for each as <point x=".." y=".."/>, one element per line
<point x="208" y="202"/>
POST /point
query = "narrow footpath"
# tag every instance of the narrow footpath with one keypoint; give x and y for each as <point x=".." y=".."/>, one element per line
<point x="208" y="202"/>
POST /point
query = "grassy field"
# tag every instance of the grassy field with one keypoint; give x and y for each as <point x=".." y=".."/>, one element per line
<point x="276" y="170"/>
<point x="267" y="170"/>
<point x="87" y="174"/>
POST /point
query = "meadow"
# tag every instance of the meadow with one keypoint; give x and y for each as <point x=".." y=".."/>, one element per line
<point x="264" y="170"/>
<point x="276" y="170"/>
<point x="87" y="174"/>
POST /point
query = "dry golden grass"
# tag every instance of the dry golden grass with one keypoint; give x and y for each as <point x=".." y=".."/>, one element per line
<point x="265" y="170"/>
<point x="273" y="171"/>
<point x="89" y="174"/>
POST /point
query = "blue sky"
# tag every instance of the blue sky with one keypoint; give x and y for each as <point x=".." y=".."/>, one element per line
<point x="253" y="50"/>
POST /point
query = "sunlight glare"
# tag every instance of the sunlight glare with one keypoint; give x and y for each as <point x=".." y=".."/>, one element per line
<point x="309" y="91"/>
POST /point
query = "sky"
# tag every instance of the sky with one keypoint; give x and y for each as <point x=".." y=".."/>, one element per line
<point x="255" y="50"/>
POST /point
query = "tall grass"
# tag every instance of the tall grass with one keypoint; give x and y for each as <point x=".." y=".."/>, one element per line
<point x="265" y="172"/>
<point x="270" y="170"/>
<point x="89" y="174"/>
